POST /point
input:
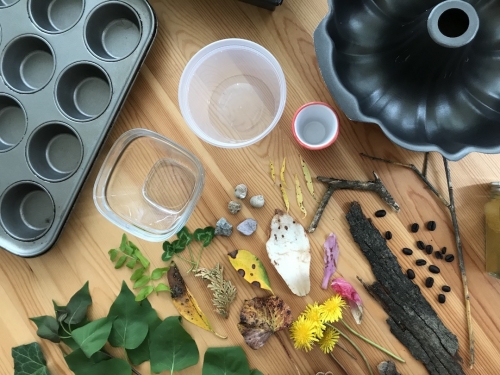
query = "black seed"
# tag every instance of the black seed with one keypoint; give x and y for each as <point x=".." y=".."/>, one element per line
<point x="380" y="213"/>
<point x="449" y="258"/>
<point x="441" y="298"/>
<point x="429" y="249"/>
<point x="420" y="245"/>
<point x="446" y="288"/>
<point x="438" y="255"/>
<point x="429" y="282"/>
<point x="415" y="227"/>
<point x="421" y="262"/>
<point x="410" y="274"/>
<point x="434" y="269"/>
<point x="431" y="225"/>
<point x="407" y="251"/>
<point x="443" y="250"/>
<point x="388" y="235"/>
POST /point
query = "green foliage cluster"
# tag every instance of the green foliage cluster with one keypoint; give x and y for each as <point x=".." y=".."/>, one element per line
<point x="129" y="255"/>
<point x="131" y="325"/>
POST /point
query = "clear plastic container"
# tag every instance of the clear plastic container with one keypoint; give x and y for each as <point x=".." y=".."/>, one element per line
<point x="148" y="185"/>
<point x="232" y="93"/>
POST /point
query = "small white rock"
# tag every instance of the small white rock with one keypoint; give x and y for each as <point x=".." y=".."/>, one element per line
<point x="257" y="201"/>
<point x="247" y="227"/>
<point x="234" y="207"/>
<point x="240" y="191"/>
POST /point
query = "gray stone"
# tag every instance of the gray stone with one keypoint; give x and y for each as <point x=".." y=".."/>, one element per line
<point x="240" y="191"/>
<point x="247" y="227"/>
<point x="223" y="228"/>
<point x="257" y="201"/>
<point x="234" y="207"/>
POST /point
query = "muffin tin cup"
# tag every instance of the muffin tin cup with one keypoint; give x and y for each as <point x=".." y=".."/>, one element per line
<point x="28" y="63"/>
<point x="26" y="211"/>
<point x="83" y="91"/>
<point x="54" y="152"/>
<point x="113" y="31"/>
<point x="55" y="16"/>
<point x="66" y="68"/>
<point x="13" y="122"/>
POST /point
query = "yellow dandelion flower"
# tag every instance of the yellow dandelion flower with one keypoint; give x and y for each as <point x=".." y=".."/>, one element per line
<point x="313" y="314"/>
<point x="329" y="340"/>
<point x="303" y="334"/>
<point x="331" y="309"/>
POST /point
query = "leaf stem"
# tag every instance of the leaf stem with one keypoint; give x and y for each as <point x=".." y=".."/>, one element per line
<point x="354" y="346"/>
<point x="64" y="329"/>
<point x="373" y="344"/>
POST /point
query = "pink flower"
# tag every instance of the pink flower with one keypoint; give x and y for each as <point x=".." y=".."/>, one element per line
<point x="331" y="257"/>
<point x="347" y="291"/>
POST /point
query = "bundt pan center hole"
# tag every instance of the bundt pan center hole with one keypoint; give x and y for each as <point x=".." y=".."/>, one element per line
<point x="453" y="23"/>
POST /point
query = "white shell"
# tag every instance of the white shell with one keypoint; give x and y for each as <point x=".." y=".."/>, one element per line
<point x="240" y="191"/>
<point x="289" y="250"/>
<point x="257" y="201"/>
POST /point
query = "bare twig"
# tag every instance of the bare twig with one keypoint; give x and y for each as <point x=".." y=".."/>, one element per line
<point x="426" y="164"/>
<point x="346" y="350"/>
<point x="337" y="184"/>
<point x="461" y="263"/>
<point x="280" y="339"/>
<point x="417" y="172"/>
<point x="451" y="207"/>
<point x="338" y="363"/>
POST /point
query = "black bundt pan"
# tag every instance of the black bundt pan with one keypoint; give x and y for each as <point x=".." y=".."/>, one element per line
<point x="427" y="72"/>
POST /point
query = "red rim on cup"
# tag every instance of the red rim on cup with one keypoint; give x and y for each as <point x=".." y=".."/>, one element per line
<point x="315" y="125"/>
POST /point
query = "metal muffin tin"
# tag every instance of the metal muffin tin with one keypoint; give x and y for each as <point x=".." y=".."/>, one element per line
<point x="66" y="68"/>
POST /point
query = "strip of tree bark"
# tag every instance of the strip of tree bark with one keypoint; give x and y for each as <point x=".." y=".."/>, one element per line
<point x="411" y="318"/>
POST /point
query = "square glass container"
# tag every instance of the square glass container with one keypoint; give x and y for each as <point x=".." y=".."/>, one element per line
<point x="148" y="185"/>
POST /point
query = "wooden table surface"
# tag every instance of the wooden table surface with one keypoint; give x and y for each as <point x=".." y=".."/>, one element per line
<point x="27" y="286"/>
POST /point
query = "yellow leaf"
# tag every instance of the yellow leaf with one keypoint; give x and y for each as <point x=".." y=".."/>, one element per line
<point x="285" y="198"/>
<point x="282" y="173"/>
<point x="300" y="198"/>
<point x="273" y="173"/>
<point x="307" y="176"/>
<point x="184" y="301"/>
<point x="250" y="268"/>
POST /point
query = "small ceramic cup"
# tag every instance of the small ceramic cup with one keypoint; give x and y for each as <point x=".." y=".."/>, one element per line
<point x="315" y="125"/>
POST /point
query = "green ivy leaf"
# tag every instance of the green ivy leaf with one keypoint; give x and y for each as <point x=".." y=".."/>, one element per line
<point x="141" y="353"/>
<point x="48" y="328"/>
<point x="114" y="366"/>
<point x="255" y="372"/>
<point x="137" y="274"/>
<point x="130" y="326"/>
<point x="121" y="262"/>
<point x="229" y="361"/>
<point x="158" y="273"/>
<point x="113" y="253"/>
<point x="142" y="281"/>
<point x="77" y="360"/>
<point x="29" y="360"/>
<point x="162" y="288"/>
<point x="172" y="348"/>
<point x="77" y="305"/>
<point x="92" y="337"/>
<point x="144" y="293"/>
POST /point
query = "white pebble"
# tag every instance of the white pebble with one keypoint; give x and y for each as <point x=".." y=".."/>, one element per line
<point x="257" y="201"/>
<point x="240" y="191"/>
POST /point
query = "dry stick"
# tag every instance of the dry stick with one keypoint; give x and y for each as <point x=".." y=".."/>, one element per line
<point x="451" y="207"/>
<point x="426" y="164"/>
<point x="337" y="184"/>
<point x="287" y="352"/>
<point x="338" y="363"/>
<point x="461" y="263"/>
<point x="346" y="350"/>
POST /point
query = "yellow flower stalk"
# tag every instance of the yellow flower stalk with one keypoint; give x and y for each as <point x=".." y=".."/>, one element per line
<point x="303" y="334"/>
<point x="329" y="340"/>
<point x="331" y="309"/>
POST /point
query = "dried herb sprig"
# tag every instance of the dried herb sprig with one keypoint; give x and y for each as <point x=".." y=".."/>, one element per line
<point x="224" y="292"/>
